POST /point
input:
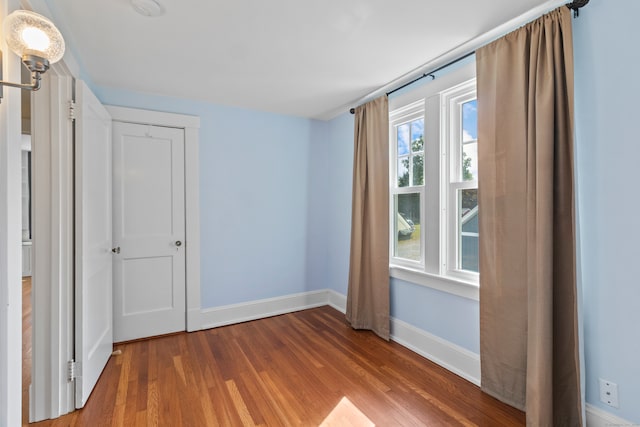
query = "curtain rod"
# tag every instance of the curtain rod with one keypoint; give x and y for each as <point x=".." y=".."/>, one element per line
<point x="574" y="5"/>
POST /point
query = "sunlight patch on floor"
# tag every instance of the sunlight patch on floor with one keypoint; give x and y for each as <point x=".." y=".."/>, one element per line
<point x="345" y="414"/>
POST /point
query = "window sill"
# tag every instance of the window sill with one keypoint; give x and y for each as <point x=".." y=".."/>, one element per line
<point x="450" y="285"/>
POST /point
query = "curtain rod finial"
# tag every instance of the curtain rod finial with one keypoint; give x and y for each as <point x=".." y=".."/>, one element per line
<point x="576" y="5"/>
<point x="352" y="110"/>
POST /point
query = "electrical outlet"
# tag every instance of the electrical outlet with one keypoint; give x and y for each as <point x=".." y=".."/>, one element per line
<point x="609" y="393"/>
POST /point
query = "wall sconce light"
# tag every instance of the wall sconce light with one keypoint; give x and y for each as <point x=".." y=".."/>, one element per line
<point x="36" y="40"/>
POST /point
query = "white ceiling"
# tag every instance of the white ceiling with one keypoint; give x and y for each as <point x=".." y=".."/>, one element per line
<point x="299" y="57"/>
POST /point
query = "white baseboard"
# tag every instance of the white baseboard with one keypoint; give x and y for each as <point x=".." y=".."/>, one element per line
<point x="596" y="417"/>
<point x="259" y="309"/>
<point x="456" y="359"/>
<point x="337" y="300"/>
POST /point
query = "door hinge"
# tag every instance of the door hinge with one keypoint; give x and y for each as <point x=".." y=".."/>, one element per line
<point x="72" y="370"/>
<point x="72" y="110"/>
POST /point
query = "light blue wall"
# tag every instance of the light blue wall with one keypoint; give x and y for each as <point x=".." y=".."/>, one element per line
<point x="255" y="195"/>
<point x="318" y="221"/>
<point x="453" y="318"/>
<point x="330" y="167"/>
<point x="339" y="175"/>
<point x="608" y="159"/>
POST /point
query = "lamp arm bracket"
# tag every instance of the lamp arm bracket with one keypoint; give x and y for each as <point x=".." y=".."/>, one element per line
<point x="33" y="87"/>
<point x="36" y="76"/>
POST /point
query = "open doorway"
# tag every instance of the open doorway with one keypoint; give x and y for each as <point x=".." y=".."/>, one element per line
<point x="27" y="243"/>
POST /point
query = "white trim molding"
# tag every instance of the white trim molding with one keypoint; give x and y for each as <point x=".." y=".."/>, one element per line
<point x="337" y="301"/>
<point x="452" y="357"/>
<point x="190" y="125"/>
<point x="151" y="117"/>
<point x="260" y="309"/>
<point x="596" y="417"/>
<point x="10" y="240"/>
<point x="50" y="394"/>
<point x="448" y="284"/>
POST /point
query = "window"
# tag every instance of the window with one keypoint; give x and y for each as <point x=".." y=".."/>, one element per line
<point x="461" y="140"/>
<point x="410" y="139"/>
<point x="408" y="186"/>
<point x="434" y="181"/>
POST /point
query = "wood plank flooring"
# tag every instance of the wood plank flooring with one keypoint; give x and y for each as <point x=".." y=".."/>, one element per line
<point x="26" y="347"/>
<point x="289" y="370"/>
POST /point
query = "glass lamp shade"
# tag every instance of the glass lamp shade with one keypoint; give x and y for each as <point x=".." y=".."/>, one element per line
<point x="28" y="33"/>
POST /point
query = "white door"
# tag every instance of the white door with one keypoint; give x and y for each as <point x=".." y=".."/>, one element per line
<point x="149" y="230"/>
<point x="93" y="286"/>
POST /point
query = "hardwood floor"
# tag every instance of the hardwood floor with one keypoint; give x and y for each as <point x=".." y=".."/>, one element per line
<point x="292" y="369"/>
<point x="26" y="347"/>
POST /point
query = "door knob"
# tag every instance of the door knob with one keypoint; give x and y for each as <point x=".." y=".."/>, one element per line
<point x="116" y="250"/>
<point x="178" y="243"/>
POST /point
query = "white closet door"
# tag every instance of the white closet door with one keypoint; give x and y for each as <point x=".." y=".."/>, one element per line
<point x="149" y="230"/>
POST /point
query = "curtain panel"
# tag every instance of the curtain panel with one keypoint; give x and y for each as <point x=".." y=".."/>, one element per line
<point x="368" y="292"/>
<point x="529" y="346"/>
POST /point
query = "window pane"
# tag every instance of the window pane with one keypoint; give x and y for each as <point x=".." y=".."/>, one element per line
<point x="403" y="172"/>
<point x="470" y="161"/>
<point x="403" y="139"/>
<point x="468" y="229"/>
<point x="418" y="169"/>
<point x="470" y="121"/>
<point x="470" y="140"/>
<point x="407" y="226"/>
<point x="417" y="135"/>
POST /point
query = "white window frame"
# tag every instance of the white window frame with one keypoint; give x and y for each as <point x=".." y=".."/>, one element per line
<point x="437" y="214"/>
<point x="399" y="117"/>
<point x="451" y="141"/>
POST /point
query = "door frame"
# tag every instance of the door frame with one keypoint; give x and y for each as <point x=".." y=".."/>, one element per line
<point x="10" y="239"/>
<point x="50" y="392"/>
<point x="191" y="126"/>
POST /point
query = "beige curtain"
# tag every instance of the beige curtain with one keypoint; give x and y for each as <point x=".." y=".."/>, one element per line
<point x="528" y="298"/>
<point x="368" y="294"/>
